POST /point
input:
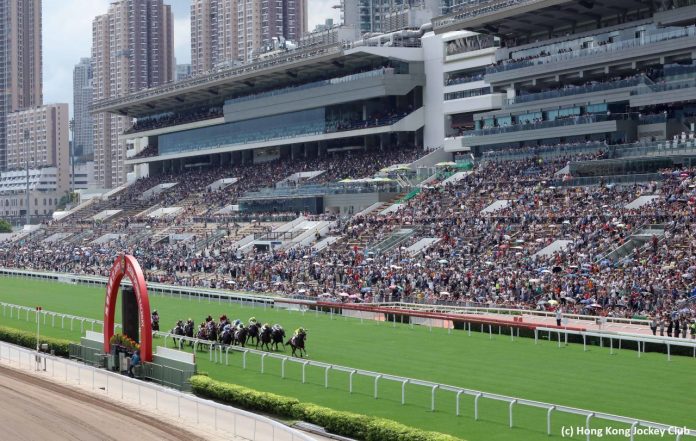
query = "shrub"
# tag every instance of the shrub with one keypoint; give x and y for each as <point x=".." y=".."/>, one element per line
<point x="28" y="340"/>
<point x="361" y="427"/>
<point x="5" y="226"/>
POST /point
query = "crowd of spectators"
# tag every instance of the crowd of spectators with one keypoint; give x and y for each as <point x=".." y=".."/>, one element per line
<point x="479" y="258"/>
<point x="175" y="118"/>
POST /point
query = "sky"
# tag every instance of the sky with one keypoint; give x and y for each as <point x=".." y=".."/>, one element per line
<point x="67" y="37"/>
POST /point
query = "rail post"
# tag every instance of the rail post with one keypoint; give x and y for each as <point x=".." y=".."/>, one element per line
<point x="263" y="358"/>
<point x="282" y="367"/>
<point x="587" y="425"/>
<point x="227" y="355"/>
<point x="459" y="395"/>
<point x="584" y="343"/>
<point x="350" y="381"/>
<point x="326" y="377"/>
<point x="512" y="403"/>
<point x="476" y="400"/>
<point x="244" y="356"/>
<point x="536" y="336"/>
<point x="432" y="398"/>
<point x="376" y="384"/>
<point x="304" y="371"/>
<point x="403" y="392"/>
<point x="633" y="429"/>
<point x="548" y="420"/>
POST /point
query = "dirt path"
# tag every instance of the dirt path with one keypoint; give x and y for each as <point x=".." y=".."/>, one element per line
<point x="34" y="409"/>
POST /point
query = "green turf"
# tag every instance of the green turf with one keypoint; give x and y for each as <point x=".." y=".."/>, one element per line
<point x="648" y="388"/>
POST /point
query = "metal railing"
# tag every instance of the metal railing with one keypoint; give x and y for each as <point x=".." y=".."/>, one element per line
<point x="187" y="408"/>
<point x="434" y="387"/>
<point x="561" y="122"/>
<point x="622" y="45"/>
<point x="578" y="90"/>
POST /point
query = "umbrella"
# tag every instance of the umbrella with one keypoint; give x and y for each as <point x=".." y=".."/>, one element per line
<point x="443" y="261"/>
<point x="553" y="302"/>
<point x="302" y="291"/>
<point x="595" y="305"/>
<point x="344" y="294"/>
<point x="353" y="296"/>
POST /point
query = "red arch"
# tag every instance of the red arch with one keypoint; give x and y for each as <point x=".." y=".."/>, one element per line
<point x="126" y="265"/>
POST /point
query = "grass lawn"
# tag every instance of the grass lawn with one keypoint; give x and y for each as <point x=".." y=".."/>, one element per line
<point x="649" y="387"/>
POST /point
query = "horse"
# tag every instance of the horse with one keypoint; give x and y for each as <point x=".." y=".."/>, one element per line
<point x="202" y="333"/>
<point x="240" y="336"/>
<point x="277" y="335"/>
<point x="265" y="337"/>
<point x="253" y="333"/>
<point x="178" y="330"/>
<point x="297" y="341"/>
<point x="189" y="327"/>
<point x="227" y="336"/>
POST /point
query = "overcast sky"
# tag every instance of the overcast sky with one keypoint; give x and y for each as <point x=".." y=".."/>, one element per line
<point x="67" y="37"/>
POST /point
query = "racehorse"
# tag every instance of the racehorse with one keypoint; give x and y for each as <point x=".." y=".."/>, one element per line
<point x="178" y="330"/>
<point x="253" y="332"/>
<point x="189" y="327"/>
<point x="265" y="337"/>
<point x="240" y="336"/>
<point x="227" y="335"/>
<point x="277" y="335"/>
<point x="297" y="341"/>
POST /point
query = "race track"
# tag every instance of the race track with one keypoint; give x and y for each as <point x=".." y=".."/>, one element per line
<point x="33" y="409"/>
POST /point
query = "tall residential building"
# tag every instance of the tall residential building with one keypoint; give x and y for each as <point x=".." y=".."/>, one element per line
<point x="132" y="49"/>
<point x="20" y="61"/>
<point x="38" y="138"/>
<point x="83" y="130"/>
<point x="213" y="33"/>
<point x="388" y="15"/>
<point x="224" y="31"/>
<point x="183" y="71"/>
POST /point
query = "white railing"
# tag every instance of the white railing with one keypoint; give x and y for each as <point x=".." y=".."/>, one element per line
<point x="267" y="299"/>
<point x="226" y="421"/>
<point x="218" y="353"/>
<point x="377" y="377"/>
<point x="508" y="311"/>
<point x="669" y="342"/>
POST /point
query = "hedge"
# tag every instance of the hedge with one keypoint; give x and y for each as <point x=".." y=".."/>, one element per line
<point x="353" y="425"/>
<point x="28" y="340"/>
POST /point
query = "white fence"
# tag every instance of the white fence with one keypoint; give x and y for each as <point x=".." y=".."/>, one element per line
<point x="218" y="352"/>
<point x="268" y="300"/>
<point x="226" y="421"/>
<point x="669" y="342"/>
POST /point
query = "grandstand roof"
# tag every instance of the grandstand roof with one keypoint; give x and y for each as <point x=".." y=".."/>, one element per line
<point x="211" y="89"/>
<point x="510" y="18"/>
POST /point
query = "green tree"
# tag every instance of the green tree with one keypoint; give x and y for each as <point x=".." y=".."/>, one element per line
<point x="5" y="226"/>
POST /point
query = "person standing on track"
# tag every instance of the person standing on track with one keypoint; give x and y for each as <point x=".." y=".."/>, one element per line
<point x="559" y="316"/>
<point x="134" y="361"/>
<point x="653" y="325"/>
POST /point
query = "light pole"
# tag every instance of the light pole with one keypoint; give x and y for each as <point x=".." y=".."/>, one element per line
<point x="26" y="158"/>
<point x="38" y="324"/>
<point x="72" y="159"/>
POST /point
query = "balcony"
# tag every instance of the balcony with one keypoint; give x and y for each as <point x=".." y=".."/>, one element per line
<point x="559" y="128"/>
<point x="579" y="90"/>
<point x="654" y="45"/>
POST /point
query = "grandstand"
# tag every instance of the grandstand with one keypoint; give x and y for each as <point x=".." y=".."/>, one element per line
<point x="305" y="174"/>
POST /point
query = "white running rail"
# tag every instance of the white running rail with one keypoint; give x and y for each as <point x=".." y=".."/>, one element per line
<point x="227" y="422"/>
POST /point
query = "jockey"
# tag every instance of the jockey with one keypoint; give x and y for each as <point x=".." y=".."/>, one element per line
<point x="265" y="326"/>
<point x="277" y="326"/>
<point x="299" y="331"/>
<point x="252" y="321"/>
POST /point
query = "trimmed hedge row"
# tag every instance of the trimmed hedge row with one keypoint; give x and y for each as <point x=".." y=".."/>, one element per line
<point x="28" y="340"/>
<point x="361" y="427"/>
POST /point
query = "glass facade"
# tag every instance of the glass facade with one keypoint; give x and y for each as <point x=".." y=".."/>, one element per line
<point x="240" y="132"/>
